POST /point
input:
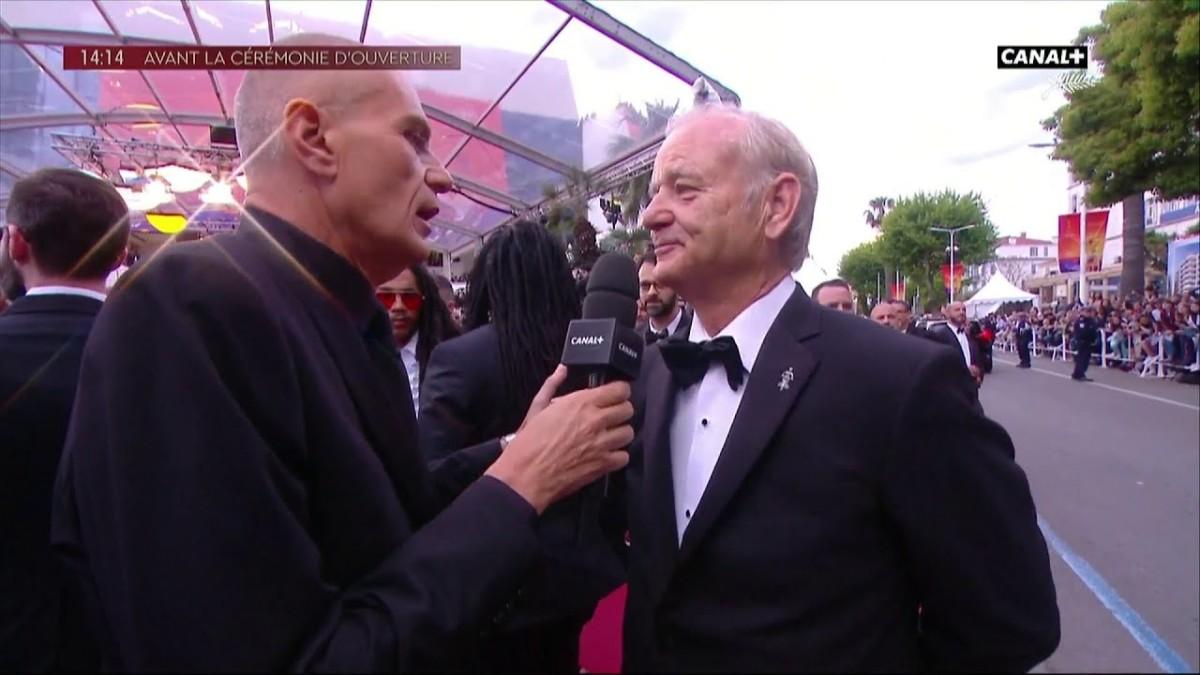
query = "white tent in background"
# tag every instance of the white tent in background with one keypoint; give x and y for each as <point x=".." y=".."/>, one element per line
<point x="997" y="291"/>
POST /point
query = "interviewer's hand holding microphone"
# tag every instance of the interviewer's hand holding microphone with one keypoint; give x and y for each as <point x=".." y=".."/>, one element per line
<point x="567" y="442"/>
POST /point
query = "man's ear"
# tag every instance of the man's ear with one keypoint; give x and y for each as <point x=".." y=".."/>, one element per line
<point x="120" y="258"/>
<point x="304" y="133"/>
<point x="783" y="198"/>
<point x="18" y="246"/>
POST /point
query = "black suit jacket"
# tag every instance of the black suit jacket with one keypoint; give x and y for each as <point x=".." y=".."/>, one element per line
<point x="458" y="408"/>
<point x="682" y="330"/>
<point x="945" y="334"/>
<point x="41" y="345"/>
<point x="868" y="487"/>
<point x="241" y="486"/>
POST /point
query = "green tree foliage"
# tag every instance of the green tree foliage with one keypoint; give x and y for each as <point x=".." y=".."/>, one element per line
<point x="634" y="194"/>
<point x="1138" y="128"/>
<point x="568" y="218"/>
<point x="862" y="267"/>
<point x="1156" y="250"/>
<point x="877" y="209"/>
<point x="632" y="241"/>
<point x="920" y="252"/>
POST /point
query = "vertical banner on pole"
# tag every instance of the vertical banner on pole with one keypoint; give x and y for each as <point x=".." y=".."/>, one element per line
<point x="1068" y="243"/>
<point x="958" y="275"/>
<point x="1097" y="232"/>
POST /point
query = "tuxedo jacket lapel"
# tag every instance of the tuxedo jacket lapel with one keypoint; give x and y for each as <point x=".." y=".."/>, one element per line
<point x="769" y="396"/>
<point x="658" y="490"/>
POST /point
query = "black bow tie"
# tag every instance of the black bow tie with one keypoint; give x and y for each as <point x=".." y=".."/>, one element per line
<point x="653" y="336"/>
<point x="689" y="361"/>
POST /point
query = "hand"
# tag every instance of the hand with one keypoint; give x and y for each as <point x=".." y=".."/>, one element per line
<point x="977" y="374"/>
<point x="571" y="442"/>
<point x="545" y="395"/>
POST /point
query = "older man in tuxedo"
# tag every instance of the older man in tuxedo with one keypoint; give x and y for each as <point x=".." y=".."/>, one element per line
<point x="784" y="514"/>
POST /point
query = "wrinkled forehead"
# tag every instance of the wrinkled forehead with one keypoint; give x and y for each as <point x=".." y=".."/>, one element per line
<point x="706" y="147"/>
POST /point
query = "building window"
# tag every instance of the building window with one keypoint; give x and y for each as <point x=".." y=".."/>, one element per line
<point x="1074" y="203"/>
<point x="1032" y="251"/>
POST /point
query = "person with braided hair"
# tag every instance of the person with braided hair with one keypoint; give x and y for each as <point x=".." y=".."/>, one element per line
<point x="521" y="299"/>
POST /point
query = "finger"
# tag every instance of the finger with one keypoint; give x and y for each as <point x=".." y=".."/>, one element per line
<point x="609" y="394"/>
<point x="615" y="414"/>
<point x="552" y="383"/>
<point x="615" y="461"/>
<point x="610" y="439"/>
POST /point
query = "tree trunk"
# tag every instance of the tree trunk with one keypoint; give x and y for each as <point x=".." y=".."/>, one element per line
<point x="889" y="278"/>
<point x="1133" y="254"/>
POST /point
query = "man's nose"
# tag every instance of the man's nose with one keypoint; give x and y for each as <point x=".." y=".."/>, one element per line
<point x="656" y="216"/>
<point x="438" y="178"/>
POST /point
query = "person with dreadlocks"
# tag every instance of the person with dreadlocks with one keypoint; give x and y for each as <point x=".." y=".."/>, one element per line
<point x="420" y="321"/>
<point x="521" y="300"/>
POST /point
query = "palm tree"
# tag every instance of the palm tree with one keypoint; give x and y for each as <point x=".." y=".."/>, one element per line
<point x="874" y="215"/>
<point x="634" y="194"/>
<point x="879" y="207"/>
<point x="632" y="241"/>
<point x="1133" y="254"/>
<point x="568" y="217"/>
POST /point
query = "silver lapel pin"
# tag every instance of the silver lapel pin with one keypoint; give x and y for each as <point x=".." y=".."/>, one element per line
<point x="785" y="380"/>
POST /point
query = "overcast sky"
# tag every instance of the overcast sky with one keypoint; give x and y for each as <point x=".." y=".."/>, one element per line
<point x="889" y="97"/>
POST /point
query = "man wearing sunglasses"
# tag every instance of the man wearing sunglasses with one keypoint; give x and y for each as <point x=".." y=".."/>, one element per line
<point x="401" y="298"/>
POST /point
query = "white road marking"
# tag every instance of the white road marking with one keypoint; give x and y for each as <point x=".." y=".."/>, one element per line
<point x="1108" y="386"/>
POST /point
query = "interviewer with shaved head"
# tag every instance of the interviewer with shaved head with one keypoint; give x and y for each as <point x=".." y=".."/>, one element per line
<point x="241" y="486"/>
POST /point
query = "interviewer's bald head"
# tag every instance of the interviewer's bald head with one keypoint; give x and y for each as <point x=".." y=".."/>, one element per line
<point x="263" y="100"/>
<point x="345" y="156"/>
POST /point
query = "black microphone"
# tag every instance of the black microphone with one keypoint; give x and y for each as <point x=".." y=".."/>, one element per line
<point x="603" y="346"/>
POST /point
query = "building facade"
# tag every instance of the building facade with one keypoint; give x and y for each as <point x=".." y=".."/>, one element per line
<point x="1019" y="258"/>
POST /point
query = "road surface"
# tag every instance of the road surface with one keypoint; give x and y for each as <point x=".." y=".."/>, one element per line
<point x="1115" y="470"/>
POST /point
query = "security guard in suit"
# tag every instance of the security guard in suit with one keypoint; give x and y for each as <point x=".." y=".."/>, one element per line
<point x="1024" y="335"/>
<point x="1085" y="330"/>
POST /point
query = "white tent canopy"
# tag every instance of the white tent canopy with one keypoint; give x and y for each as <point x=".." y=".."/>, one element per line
<point x="997" y="291"/>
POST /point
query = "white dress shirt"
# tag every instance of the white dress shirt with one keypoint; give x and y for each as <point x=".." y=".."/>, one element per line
<point x="66" y="290"/>
<point x="408" y="354"/>
<point x="705" y="411"/>
<point x="961" y="335"/>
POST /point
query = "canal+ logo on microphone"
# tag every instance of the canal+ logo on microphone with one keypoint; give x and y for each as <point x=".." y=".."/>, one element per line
<point x="1068" y="57"/>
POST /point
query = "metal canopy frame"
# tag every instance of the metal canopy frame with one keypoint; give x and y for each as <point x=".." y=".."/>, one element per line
<point x="601" y="178"/>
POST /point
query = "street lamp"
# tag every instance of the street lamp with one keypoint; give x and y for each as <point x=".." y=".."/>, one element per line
<point x="1082" y="233"/>
<point x="952" y="232"/>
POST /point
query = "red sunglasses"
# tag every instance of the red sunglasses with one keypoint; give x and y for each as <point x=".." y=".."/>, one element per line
<point x="411" y="300"/>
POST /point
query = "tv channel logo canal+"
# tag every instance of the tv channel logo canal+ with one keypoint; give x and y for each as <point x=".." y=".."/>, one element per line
<point x="1069" y="57"/>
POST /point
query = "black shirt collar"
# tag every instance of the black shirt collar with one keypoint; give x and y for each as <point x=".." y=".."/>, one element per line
<point x="342" y="280"/>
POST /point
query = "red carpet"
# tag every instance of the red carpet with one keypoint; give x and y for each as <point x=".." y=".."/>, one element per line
<point x="600" y="643"/>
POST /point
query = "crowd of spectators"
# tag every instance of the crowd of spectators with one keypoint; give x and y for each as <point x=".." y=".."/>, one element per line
<point x="1144" y="329"/>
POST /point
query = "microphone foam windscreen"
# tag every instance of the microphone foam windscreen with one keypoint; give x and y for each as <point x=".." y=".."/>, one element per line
<point x="614" y="272"/>
<point x="602" y="304"/>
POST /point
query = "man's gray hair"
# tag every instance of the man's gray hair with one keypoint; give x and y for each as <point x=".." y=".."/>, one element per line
<point x="258" y="106"/>
<point x="771" y="149"/>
